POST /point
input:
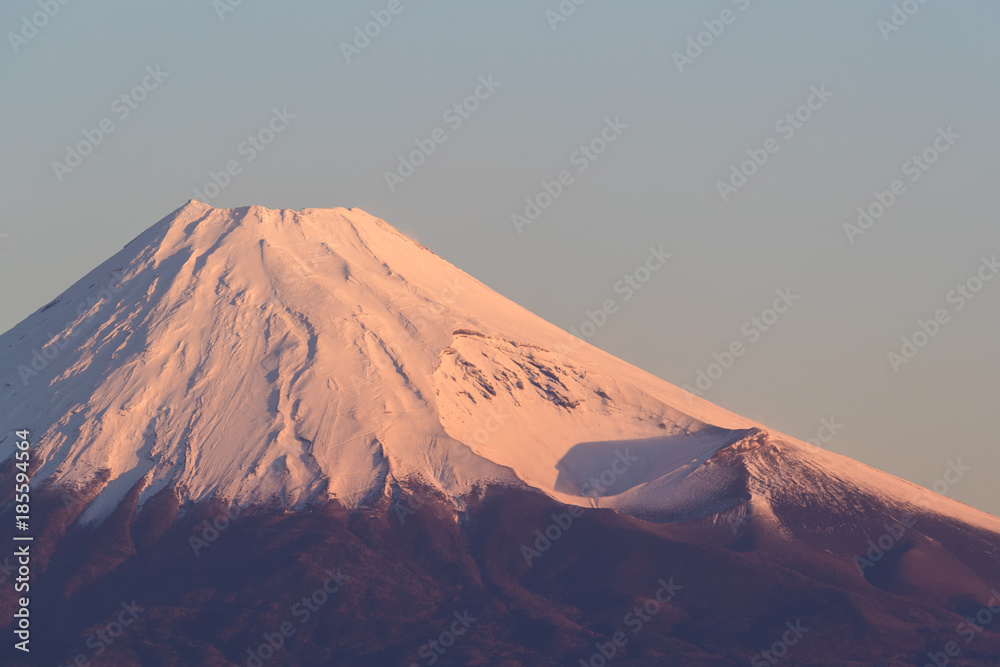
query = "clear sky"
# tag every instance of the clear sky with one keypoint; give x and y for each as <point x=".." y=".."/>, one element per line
<point x="864" y="99"/>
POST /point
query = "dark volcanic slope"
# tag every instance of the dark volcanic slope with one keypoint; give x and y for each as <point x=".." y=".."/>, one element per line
<point x="401" y="573"/>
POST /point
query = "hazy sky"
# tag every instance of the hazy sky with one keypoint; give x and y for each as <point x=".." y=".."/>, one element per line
<point x="211" y="75"/>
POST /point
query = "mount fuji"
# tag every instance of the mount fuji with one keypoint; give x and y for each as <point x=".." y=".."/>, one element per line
<point x="243" y="399"/>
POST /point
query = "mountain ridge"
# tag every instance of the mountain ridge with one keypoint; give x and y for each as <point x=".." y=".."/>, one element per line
<point x="262" y="355"/>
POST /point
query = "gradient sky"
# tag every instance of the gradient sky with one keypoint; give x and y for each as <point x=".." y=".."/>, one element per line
<point x="655" y="185"/>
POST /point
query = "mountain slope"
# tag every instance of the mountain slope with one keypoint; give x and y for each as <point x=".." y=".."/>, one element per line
<point x="263" y="355"/>
<point x="244" y="401"/>
<point x="290" y="357"/>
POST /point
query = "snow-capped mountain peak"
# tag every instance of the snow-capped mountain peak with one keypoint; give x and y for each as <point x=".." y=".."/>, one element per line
<point x="278" y="356"/>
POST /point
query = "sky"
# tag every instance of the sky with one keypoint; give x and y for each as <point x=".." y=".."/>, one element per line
<point x="546" y="148"/>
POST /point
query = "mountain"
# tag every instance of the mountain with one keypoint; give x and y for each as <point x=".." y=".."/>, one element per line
<point x="314" y="382"/>
<point x="268" y="356"/>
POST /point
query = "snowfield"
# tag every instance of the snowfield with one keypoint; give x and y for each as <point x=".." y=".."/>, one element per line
<point x="265" y="356"/>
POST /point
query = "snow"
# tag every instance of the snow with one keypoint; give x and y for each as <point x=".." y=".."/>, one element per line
<point x="274" y="355"/>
